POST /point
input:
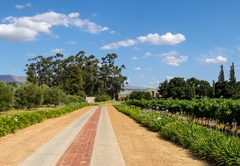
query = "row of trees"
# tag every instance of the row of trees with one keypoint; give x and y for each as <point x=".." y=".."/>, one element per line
<point x="78" y="75"/>
<point x="194" y="88"/>
<point x="32" y="96"/>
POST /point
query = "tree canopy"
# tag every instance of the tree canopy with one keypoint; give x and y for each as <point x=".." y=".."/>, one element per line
<point x="194" y="88"/>
<point x="78" y="74"/>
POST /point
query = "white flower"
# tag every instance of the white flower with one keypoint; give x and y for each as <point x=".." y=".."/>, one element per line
<point x="16" y="119"/>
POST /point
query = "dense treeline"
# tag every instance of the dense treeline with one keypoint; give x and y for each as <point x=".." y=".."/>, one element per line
<point x="194" y="88"/>
<point x="78" y="75"/>
<point x="54" y="79"/>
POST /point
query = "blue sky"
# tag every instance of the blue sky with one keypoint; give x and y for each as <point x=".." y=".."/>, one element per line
<point x="155" y="40"/>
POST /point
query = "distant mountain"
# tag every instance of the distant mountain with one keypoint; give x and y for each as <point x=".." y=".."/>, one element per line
<point x="12" y="78"/>
<point x="134" y="87"/>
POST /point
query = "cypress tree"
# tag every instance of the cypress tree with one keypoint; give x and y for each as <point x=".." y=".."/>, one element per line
<point x="221" y="75"/>
<point x="231" y="87"/>
<point x="232" y="78"/>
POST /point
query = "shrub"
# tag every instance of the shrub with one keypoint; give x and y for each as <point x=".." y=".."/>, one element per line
<point x="6" y="96"/>
<point x="53" y="95"/>
<point x="74" y="99"/>
<point x="100" y="98"/>
<point x="28" y="95"/>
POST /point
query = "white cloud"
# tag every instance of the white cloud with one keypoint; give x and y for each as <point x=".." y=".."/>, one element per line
<point x="147" y="54"/>
<point x="137" y="68"/>
<point x="173" y="61"/>
<point x="218" y="59"/>
<point x="217" y="55"/>
<point x="94" y="14"/>
<point x="28" y="28"/>
<point x="134" y="58"/>
<point x="126" y="43"/>
<point x="57" y="50"/>
<point x="23" y="6"/>
<point x="28" y="4"/>
<point x="167" y="39"/>
<point x="112" y="32"/>
<point x="19" y="6"/>
<point x="13" y="33"/>
<point x="140" y="75"/>
<point x="170" y="58"/>
<point x="169" y="77"/>
<point x="170" y="53"/>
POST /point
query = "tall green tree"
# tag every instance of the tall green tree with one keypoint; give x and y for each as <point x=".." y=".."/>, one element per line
<point x="221" y="85"/>
<point x="6" y="96"/>
<point x="231" y="86"/>
<point x="221" y="78"/>
<point x="179" y="88"/>
<point x="193" y="85"/>
<point x="204" y="89"/>
<point x="44" y="71"/>
<point x="74" y="82"/>
<point x="111" y="77"/>
<point x="31" y="73"/>
<point x="163" y="89"/>
<point x="90" y="72"/>
<point x="232" y="78"/>
<point x="213" y="89"/>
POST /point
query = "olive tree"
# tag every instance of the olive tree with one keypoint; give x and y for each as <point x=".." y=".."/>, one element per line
<point x="6" y="96"/>
<point x="28" y="96"/>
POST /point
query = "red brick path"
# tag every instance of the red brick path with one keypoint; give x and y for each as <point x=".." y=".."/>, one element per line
<point x="79" y="153"/>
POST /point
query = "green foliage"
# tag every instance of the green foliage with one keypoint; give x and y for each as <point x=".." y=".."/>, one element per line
<point x="101" y="98"/>
<point x="53" y="96"/>
<point x="78" y="75"/>
<point x="12" y="123"/>
<point x="138" y="95"/>
<point x="178" y="88"/>
<point x="28" y="95"/>
<point x="150" y="119"/>
<point x="74" y="82"/>
<point x="224" y="111"/>
<point x="6" y="96"/>
<point x="74" y="99"/>
<point x="221" y="78"/>
<point x="164" y="89"/>
<point x="110" y="76"/>
<point x="209" y="145"/>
